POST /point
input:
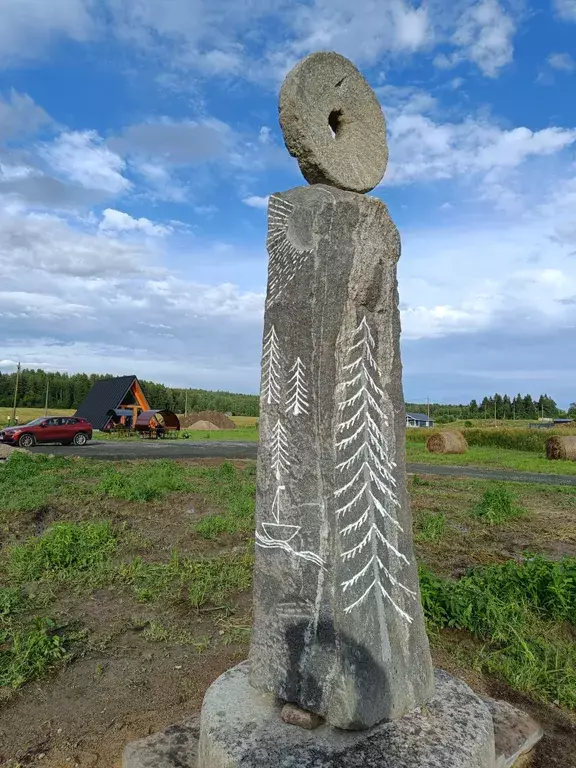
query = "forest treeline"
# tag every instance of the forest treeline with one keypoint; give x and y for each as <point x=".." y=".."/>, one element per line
<point x="68" y="390"/>
<point x="496" y="407"/>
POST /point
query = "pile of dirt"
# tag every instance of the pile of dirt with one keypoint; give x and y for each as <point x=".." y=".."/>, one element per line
<point x="219" y="420"/>
<point x="203" y="424"/>
<point x="7" y="450"/>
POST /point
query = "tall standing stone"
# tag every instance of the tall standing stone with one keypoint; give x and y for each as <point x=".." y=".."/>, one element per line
<point x="338" y="623"/>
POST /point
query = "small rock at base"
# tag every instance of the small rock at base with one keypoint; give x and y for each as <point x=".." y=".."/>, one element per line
<point x="294" y="715"/>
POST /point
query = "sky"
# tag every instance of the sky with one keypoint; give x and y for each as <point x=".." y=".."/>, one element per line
<point x="139" y="141"/>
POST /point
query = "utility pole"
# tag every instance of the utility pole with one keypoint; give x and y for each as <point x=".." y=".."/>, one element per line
<point x="16" y="394"/>
<point x="47" y="390"/>
<point x="428" y="408"/>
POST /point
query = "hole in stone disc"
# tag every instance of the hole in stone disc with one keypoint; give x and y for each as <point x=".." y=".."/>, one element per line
<point x="334" y="121"/>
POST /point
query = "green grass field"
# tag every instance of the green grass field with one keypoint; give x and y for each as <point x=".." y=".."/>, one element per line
<point x="27" y="414"/>
<point x="136" y="576"/>
<point x="491" y="458"/>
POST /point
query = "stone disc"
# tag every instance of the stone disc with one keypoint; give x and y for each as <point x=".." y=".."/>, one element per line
<point x="333" y="123"/>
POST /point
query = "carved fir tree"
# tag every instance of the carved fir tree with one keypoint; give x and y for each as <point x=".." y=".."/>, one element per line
<point x="366" y="497"/>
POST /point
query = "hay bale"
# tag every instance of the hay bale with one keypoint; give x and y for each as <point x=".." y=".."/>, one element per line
<point x="561" y="448"/>
<point x="203" y="425"/>
<point x="447" y="442"/>
<point x="219" y="420"/>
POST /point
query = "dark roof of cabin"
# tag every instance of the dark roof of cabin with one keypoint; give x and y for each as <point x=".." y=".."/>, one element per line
<point x="106" y="395"/>
<point x="419" y="416"/>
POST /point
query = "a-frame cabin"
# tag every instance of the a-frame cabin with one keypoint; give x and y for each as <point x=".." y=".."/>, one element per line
<point x="108" y="398"/>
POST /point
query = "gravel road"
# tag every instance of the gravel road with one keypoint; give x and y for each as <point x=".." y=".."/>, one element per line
<point x="182" y="449"/>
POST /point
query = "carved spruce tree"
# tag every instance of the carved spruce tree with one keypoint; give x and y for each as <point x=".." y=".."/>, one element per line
<point x="367" y="498"/>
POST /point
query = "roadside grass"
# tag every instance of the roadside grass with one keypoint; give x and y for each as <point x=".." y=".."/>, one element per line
<point x="491" y="458"/>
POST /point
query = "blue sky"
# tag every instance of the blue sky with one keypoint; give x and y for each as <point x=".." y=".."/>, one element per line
<point x="139" y="142"/>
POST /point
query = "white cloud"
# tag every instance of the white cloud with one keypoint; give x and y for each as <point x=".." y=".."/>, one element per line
<point x="29" y="26"/>
<point x="484" y="35"/>
<point x="66" y="290"/>
<point x="82" y="157"/>
<point x="421" y="148"/>
<point x="566" y="9"/>
<point x="118" y="221"/>
<point x="562" y="61"/>
<point x="182" y="142"/>
<point x="257" y="202"/>
<point x="20" y="115"/>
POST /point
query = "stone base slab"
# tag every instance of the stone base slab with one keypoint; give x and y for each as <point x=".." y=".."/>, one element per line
<point x="243" y="727"/>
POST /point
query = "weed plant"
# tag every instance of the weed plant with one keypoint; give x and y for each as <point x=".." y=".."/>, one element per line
<point x="498" y="504"/>
<point x="521" y="613"/>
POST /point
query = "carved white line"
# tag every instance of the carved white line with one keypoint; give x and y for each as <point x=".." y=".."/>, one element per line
<point x="285" y="258"/>
<point x="370" y="493"/>
<point x="267" y="542"/>
<point x="271" y="368"/>
<point x="278" y="535"/>
<point x="297" y="395"/>
<point x="279" y="449"/>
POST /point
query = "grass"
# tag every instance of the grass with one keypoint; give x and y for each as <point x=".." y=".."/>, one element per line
<point x="198" y="581"/>
<point x="82" y="555"/>
<point x="27" y="414"/>
<point x="498" y="504"/>
<point x="142" y="482"/>
<point x="516" y="613"/>
<point x="524" y="616"/>
<point x="431" y="526"/>
<point x="491" y="458"/>
<point x="234" y="493"/>
<point x="531" y="440"/>
<point x="62" y="551"/>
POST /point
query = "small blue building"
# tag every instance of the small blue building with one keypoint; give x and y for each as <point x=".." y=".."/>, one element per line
<point x="418" y="420"/>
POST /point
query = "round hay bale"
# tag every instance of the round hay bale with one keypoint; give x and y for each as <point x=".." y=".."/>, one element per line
<point x="447" y="442"/>
<point x="202" y="425"/>
<point x="561" y="448"/>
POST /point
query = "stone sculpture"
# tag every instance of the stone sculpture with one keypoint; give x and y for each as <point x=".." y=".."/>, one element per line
<point x="339" y="635"/>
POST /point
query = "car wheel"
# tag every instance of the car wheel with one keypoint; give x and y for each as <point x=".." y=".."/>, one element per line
<point x="26" y="441"/>
<point x="80" y="439"/>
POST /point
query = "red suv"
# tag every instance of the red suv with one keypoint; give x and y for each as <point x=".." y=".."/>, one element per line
<point x="53" y="429"/>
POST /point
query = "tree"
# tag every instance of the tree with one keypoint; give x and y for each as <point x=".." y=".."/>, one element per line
<point x="572" y="410"/>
